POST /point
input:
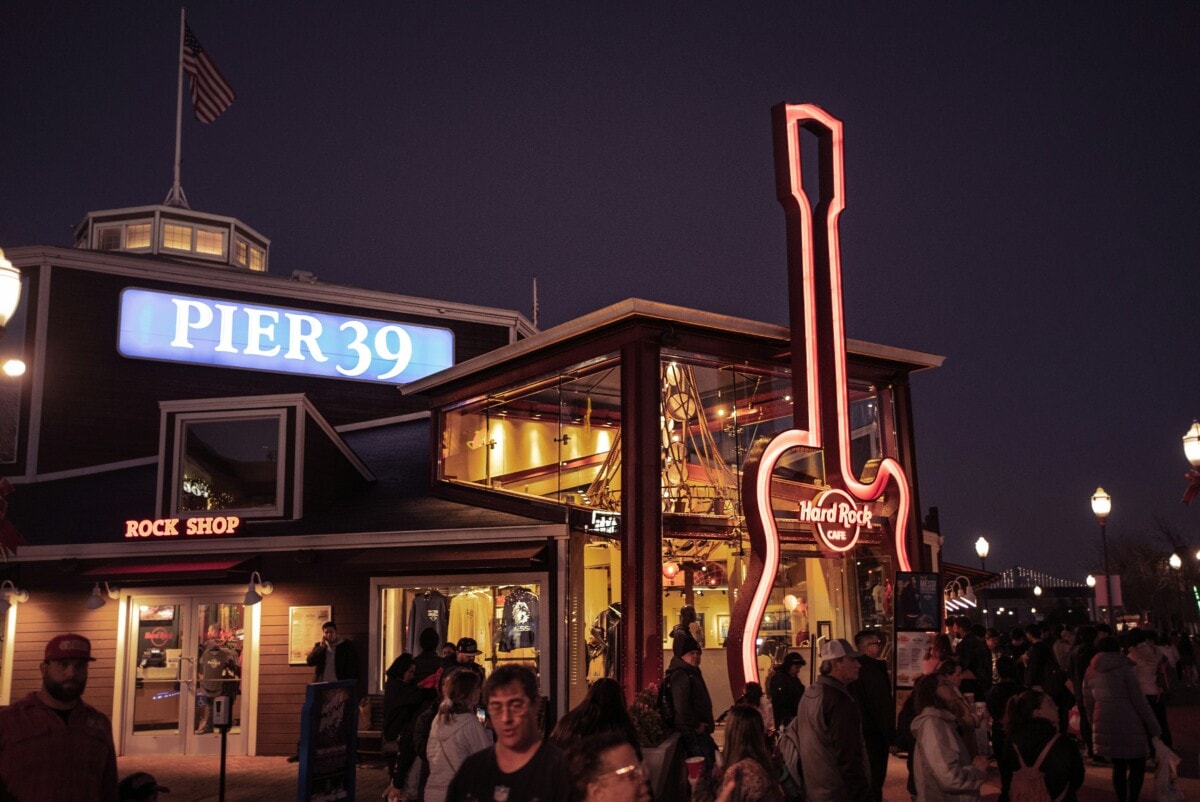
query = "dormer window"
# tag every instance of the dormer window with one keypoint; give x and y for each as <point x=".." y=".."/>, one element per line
<point x="231" y="463"/>
<point x="231" y="456"/>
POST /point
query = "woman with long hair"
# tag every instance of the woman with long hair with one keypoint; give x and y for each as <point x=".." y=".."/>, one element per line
<point x="747" y="756"/>
<point x="1031" y="721"/>
<point x="938" y="652"/>
<point x="602" y="710"/>
<point x="456" y="734"/>
<point x="943" y="769"/>
<point x="1121" y="717"/>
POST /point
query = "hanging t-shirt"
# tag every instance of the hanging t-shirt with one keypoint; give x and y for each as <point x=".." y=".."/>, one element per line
<point x="518" y="626"/>
<point x="429" y="609"/>
<point x="219" y="669"/>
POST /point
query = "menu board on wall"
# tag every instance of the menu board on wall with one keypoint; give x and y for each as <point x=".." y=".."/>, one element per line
<point x="910" y="654"/>
<point x="304" y="629"/>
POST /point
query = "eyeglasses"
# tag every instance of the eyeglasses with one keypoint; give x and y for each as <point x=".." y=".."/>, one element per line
<point x="515" y="707"/>
<point x="633" y="772"/>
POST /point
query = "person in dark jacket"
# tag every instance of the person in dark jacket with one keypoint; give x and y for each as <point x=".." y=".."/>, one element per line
<point x="832" y="753"/>
<point x="333" y="657"/>
<point x="428" y="660"/>
<point x="873" y="692"/>
<point x="1120" y="715"/>
<point x="1077" y="665"/>
<point x="974" y="657"/>
<point x="1032" y="722"/>
<point x="402" y="700"/>
<point x="693" y="705"/>
<point x="786" y="689"/>
<point x="1042" y="671"/>
<point x="1008" y="686"/>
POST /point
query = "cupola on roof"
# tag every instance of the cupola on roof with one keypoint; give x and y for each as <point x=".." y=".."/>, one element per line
<point x="176" y="232"/>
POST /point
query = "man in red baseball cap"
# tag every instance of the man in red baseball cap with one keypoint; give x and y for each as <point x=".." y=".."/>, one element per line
<point x="55" y="747"/>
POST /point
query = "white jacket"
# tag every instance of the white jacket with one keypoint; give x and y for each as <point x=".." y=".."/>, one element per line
<point x="450" y="743"/>
<point x="941" y="764"/>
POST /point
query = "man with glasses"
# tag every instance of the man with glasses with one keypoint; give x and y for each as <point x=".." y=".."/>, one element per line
<point x="521" y="767"/>
<point x="873" y="692"/>
<point x="605" y="768"/>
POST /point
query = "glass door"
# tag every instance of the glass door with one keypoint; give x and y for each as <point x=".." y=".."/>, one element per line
<point x="184" y="652"/>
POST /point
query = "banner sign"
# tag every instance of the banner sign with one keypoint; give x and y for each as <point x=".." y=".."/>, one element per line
<point x="171" y="327"/>
<point x="328" y="742"/>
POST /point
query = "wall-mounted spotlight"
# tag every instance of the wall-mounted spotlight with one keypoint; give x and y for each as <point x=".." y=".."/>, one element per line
<point x="10" y="593"/>
<point x="257" y="589"/>
<point x="97" y="600"/>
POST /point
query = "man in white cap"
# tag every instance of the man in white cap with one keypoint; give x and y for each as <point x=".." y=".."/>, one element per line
<point x="55" y="747"/>
<point x="832" y="750"/>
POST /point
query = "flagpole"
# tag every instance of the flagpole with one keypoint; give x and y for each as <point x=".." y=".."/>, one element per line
<point x="176" y="197"/>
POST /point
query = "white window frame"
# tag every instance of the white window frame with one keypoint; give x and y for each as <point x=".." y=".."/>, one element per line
<point x="286" y="452"/>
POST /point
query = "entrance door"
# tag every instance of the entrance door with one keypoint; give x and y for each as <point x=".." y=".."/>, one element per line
<point x="184" y="651"/>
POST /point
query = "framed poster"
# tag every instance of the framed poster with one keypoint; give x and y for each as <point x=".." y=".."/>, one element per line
<point x="304" y="629"/>
<point x="824" y="630"/>
<point x="722" y="627"/>
<point x="918" y="602"/>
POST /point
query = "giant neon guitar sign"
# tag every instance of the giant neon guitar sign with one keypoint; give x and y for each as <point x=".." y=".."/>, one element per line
<point x="818" y="362"/>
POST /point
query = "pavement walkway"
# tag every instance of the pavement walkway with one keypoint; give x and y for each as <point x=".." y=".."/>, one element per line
<point x="263" y="779"/>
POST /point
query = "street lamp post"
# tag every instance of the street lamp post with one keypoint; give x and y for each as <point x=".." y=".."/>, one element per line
<point x="1091" y="583"/>
<point x="1191" y="450"/>
<point x="1101" y="507"/>
<point x="1177" y="564"/>
<point x="981" y="548"/>
<point x="10" y="290"/>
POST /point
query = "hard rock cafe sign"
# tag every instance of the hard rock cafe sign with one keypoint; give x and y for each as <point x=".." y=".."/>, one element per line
<point x="840" y="514"/>
<point x="837" y="518"/>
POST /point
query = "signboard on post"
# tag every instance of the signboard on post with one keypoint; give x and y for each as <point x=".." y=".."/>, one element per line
<point x="328" y="742"/>
<point x="918" y="602"/>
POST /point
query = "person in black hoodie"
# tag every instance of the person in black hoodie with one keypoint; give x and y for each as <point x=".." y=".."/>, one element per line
<point x="1006" y="688"/>
<point x="693" y="705"/>
<point x="402" y="699"/>
<point x="427" y="661"/>
<point x="873" y="692"/>
<point x="1032" y="722"/>
<point x="1077" y="665"/>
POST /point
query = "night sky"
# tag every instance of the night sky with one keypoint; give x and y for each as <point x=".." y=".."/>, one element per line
<point x="1022" y="181"/>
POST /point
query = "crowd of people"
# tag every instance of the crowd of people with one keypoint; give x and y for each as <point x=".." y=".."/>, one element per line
<point x="1035" y="700"/>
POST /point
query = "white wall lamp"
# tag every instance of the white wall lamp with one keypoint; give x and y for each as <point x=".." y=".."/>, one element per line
<point x="10" y="593"/>
<point x="257" y="589"/>
<point x="97" y="600"/>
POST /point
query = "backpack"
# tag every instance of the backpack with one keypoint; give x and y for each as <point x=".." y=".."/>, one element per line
<point x="666" y="703"/>
<point x="1028" y="782"/>
<point x="787" y="751"/>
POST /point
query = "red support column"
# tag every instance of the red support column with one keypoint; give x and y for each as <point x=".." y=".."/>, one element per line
<point x="641" y="519"/>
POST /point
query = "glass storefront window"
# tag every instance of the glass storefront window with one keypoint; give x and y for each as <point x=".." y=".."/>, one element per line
<point x="553" y="439"/>
<point x="602" y="614"/>
<point x="504" y="619"/>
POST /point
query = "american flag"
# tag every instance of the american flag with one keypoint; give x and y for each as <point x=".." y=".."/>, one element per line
<point x="211" y="93"/>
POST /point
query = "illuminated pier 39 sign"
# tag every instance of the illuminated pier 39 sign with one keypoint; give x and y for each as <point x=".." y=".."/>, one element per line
<point x="184" y="328"/>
